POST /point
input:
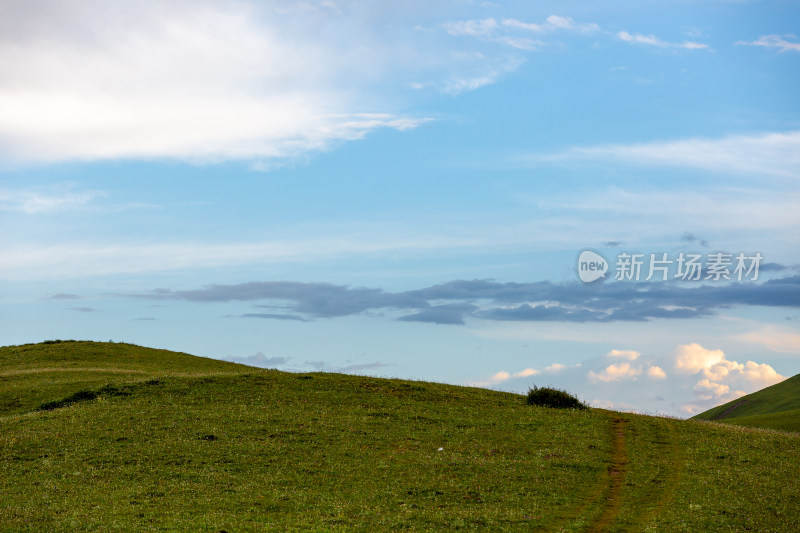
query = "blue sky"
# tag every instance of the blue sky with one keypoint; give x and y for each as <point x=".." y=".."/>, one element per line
<point x="403" y="189"/>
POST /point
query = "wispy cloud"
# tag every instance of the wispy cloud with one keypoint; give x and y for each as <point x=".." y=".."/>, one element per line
<point x="774" y="338"/>
<point x="57" y="198"/>
<point x="63" y="296"/>
<point x="652" y="40"/>
<point x="477" y="73"/>
<point x="515" y="33"/>
<point x="775" y="41"/>
<point x="80" y="260"/>
<point x="553" y="23"/>
<point x="775" y="154"/>
<point x="526" y="35"/>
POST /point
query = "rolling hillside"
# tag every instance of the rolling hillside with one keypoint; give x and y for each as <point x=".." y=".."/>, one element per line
<point x="775" y="407"/>
<point x="100" y="437"/>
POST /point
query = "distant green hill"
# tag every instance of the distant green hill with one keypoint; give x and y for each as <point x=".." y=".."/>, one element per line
<point x="775" y="407"/>
<point x="103" y="436"/>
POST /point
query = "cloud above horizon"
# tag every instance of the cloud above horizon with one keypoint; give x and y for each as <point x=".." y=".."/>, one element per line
<point x="454" y="302"/>
<point x="706" y="375"/>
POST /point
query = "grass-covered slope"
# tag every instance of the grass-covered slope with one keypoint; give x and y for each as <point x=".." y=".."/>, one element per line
<point x="775" y="407"/>
<point x="202" y="445"/>
<point x="784" y="420"/>
<point x="34" y="373"/>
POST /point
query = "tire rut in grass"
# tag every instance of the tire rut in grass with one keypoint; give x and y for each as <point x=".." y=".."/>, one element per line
<point x="670" y="451"/>
<point x="616" y="477"/>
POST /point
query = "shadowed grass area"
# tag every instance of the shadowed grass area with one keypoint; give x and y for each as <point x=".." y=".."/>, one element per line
<point x="238" y="449"/>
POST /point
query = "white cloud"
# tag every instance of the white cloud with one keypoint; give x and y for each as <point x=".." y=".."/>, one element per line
<point x="656" y="372"/>
<point x="762" y="374"/>
<point x="630" y="355"/>
<point x="555" y="367"/>
<point x="776" y="154"/>
<point x="526" y="373"/>
<point x="705" y="386"/>
<point x="502" y="376"/>
<point x="652" y="40"/>
<point x="199" y="81"/>
<point x="693" y="358"/>
<point x="721" y="376"/>
<point x="722" y="369"/>
<point x="615" y="372"/>
<point x="775" y="41"/>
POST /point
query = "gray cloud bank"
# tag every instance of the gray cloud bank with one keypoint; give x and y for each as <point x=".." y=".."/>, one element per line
<point x="455" y="301"/>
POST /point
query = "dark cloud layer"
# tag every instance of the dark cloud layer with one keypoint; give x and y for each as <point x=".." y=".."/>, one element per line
<point x="455" y="301"/>
<point x="315" y="299"/>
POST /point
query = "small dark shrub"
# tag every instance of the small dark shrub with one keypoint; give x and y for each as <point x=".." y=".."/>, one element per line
<point x="549" y="397"/>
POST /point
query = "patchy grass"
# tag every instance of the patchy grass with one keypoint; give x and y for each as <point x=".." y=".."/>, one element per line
<point x="208" y="446"/>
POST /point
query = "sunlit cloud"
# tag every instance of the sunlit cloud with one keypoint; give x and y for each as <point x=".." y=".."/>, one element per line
<point x="694" y="358"/>
<point x="631" y="355"/>
<point x="615" y="372"/>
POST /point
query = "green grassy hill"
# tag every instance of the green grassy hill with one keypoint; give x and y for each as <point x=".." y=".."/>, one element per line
<point x="153" y="440"/>
<point x="776" y="407"/>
